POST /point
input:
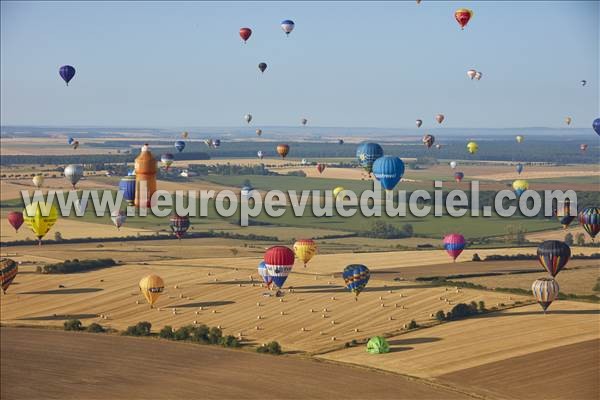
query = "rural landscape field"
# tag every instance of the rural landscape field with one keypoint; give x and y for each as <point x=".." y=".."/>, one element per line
<point x="335" y="200"/>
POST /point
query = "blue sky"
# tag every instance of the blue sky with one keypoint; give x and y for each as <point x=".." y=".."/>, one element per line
<point x="346" y="64"/>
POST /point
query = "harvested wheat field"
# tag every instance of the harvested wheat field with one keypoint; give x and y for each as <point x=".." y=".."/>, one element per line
<point x="11" y="188"/>
<point x="79" y="365"/>
<point x="558" y="234"/>
<point x="458" y="345"/>
<point x="319" y="315"/>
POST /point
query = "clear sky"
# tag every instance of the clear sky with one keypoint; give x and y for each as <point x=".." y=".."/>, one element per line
<point x="355" y="64"/>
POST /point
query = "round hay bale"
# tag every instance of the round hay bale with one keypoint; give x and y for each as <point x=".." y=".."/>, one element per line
<point x="382" y="305"/>
<point x="258" y="304"/>
<point x="332" y="322"/>
<point x="258" y="317"/>
<point x="324" y="316"/>
<point x="333" y="298"/>
<point x="302" y="329"/>
<point x="201" y="308"/>
<point x="281" y="300"/>
<point x="214" y="311"/>
<point x="325" y="310"/>
<point x="256" y="327"/>
<point x="195" y="322"/>
<point x="333" y="338"/>
<point x="311" y="310"/>
<point x="356" y="330"/>
<point x="282" y="313"/>
<point x="180" y="295"/>
<point x="137" y="302"/>
<point x="390" y="318"/>
<point x="219" y="327"/>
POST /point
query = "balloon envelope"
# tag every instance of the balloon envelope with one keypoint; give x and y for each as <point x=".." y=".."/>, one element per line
<point x="245" y="33"/>
<point x="596" y="125"/>
<point x="356" y="277"/>
<point x="519" y="168"/>
<point x="127" y="186"/>
<point x="118" y="218"/>
<point x="66" y="72"/>
<point x="453" y="164"/>
<point x="419" y="123"/>
<point x="15" y="219"/>
<point x="388" y="170"/>
<point x="520" y="186"/>
<point x="458" y="176"/>
<point x="40" y="218"/>
<point x="179" y="225"/>
<point x="428" y="140"/>
<point x="472" y="147"/>
<point x="462" y="16"/>
<point x="589" y="218"/>
<point x="151" y="287"/>
<point x="337" y="191"/>
<point x="287" y="26"/>
<point x="283" y="150"/>
<point x="378" y="344"/>
<point x="367" y="153"/>
<point x="320" y="167"/>
<point x="74" y="172"/>
<point x="264" y="274"/>
<point x="440" y="118"/>
<point x="454" y="244"/>
<point x="305" y="249"/>
<point x="179" y="145"/>
<point x="553" y="255"/>
<point x="262" y="66"/>
<point x="8" y="271"/>
<point x="545" y="291"/>
<point x="279" y="261"/>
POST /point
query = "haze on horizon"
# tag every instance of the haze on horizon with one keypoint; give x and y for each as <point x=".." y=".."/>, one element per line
<point x="347" y="64"/>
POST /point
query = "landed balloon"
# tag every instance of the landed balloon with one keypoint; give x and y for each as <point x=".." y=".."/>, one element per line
<point x="118" y="218"/>
<point x="519" y="167"/>
<point x="40" y="218"/>
<point x="440" y="118"/>
<point x="337" y="191"/>
<point x="453" y="164"/>
<point x="262" y="67"/>
<point x="321" y="168"/>
<point x="583" y="147"/>
<point x="245" y="34"/>
<point x="563" y="213"/>
<point x="66" y="72"/>
<point x="279" y="261"/>
<point x="179" y="145"/>
<point x="356" y="277"/>
<point x="248" y="118"/>
<point x="553" y="255"/>
<point x="545" y="291"/>
<point x="264" y="274"/>
<point x="151" y="287"/>
<point x="127" y="186"/>
<point x="419" y="123"/>
<point x="520" y="186"/>
<point x="454" y="244"/>
<point x="472" y="147"/>
<point x="471" y="73"/>
<point x="8" y="272"/>
<point x="305" y="249"/>
<point x="283" y="150"/>
<point x="73" y="173"/>
<point x="367" y="153"/>
<point x="287" y="26"/>
<point x="428" y="140"/>
<point x="589" y="219"/>
<point x="258" y="132"/>
<point x="378" y="344"/>
<point x="388" y="170"/>
<point x="15" y="219"/>
<point x="260" y="154"/>
<point x="463" y="16"/>
<point x="167" y="160"/>
<point x="179" y="225"/>
<point x="519" y="138"/>
<point x="458" y="176"/>
<point x="568" y="120"/>
<point x="596" y="125"/>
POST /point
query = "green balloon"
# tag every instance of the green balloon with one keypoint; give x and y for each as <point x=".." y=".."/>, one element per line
<point x="378" y="345"/>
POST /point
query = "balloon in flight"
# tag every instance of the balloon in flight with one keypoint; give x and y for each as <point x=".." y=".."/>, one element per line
<point x="8" y="272"/>
<point x="589" y="219"/>
<point x="553" y="255"/>
<point x="596" y="125"/>
<point x="568" y="120"/>
<point x="337" y="190"/>
<point x="419" y="122"/>
<point x="478" y="76"/>
<point x="246" y="191"/>
<point x="260" y="154"/>
<point x="279" y="261"/>
<point x="70" y="141"/>
<point x="472" y="147"/>
<point x="454" y="244"/>
<point x="179" y="225"/>
<point x="185" y="134"/>
<point x="38" y="181"/>
<point x="15" y="219"/>
<point x="428" y="140"/>
<point x="179" y="145"/>
<point x="127" y="186"/>
<point x="388" y="170"/>
<point x="356" y="277"/>
<point x="519" y="138"/>
<point x="583" y="147"/>
<point x="258" y="132"/>
<point x="471" y="73"/>
<point x="66" y="72"/>
<point x="583" y="82"/>
<point x="520" y="186"/>
<point x="458" y="176"/>
<point x="40" y="218"/>
<point x="453" y="164"/>
<point x="545" y="291"/>
<point x="563" y="213"/>
<point x="75" y="144"/>
<point x="287" y="26"/>
<point x="321" y="168"/>
<point x="367" y="153"/>
<point x="519" y="167"/>
<point x="304" y="121"/>
<point x="463" y="16"/>
<point x="245" y="34"/>
<point x="283" y="149"/>
<point x="118" y="218"/>
<point x="73" y="173"/>
<point x="151" y="287"/>
<point x="440" y="118"/>
<point x="305" y="249"/>
<point x="167" y="160"/>
<point x="262" y="67"/>
<point x="340" y="141"/>
<point x="248" y="118"/>
<point x="264" y="274"/>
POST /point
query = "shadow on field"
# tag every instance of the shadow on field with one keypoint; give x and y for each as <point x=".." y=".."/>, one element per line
<point x="549" y="312"/>
<point x="204" y="304"/>
<point x="340" y="289"/>
<point x="65" y="291"/>
<point x="414" y="340"/>
<point x="231" y="283"/>
<point x="398" y="349"/>
<point x="59" y="317"/>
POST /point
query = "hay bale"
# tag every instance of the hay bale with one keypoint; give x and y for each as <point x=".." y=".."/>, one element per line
<point x="258" y="304"/>
<point x="282" y="313"/>
<point x="302" y="329"/>
<point x="214" y="311"/>
<point x="333" y="339"/>
<point x="356" y="330"/>
<point x="333" y="298"/>
<point x="332" y="322"/>
<point x="258" y="317"/>
<point x="137" y="302"/>
<point x="390" y="318"/>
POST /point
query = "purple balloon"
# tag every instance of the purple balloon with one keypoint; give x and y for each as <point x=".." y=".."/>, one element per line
<point x="67" y="73"/>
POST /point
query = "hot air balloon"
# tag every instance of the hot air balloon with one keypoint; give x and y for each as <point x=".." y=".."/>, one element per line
<point x="258" y="132"/>
<point x="216" y="143"/>
<point x="462" y="16"/>
<point x="453" y="164"/>
<point x="438" y="146"/>
<point x="40" y="217"/>
<point x="166" y="160"/>
<point x="245" y="34"/>
<point x="519" y="168"/>
<point x="118" y="218"/>
<point x="439" y="118"/>
<point x="67" y="73"/>
<point x="70" y="141"/>
<point x="248" y="118"/>
<point x="458" y="176"/>
<point x="545" y="291"/>
<point x="262" y="67"/>
<point x="320" y="168"/>
<point x="454" y="244"/>
<point x="260" y="154"/>
<point x="283" y="150"/>
<point x="151" y="287"/>
<point x="519" y="138"/>
<point x="478" y="76"/>
<point x="472" y="147"/>
<point x="246" y="191"/>
<point x="185" y="134"/>
<point x="145" y="166"/>
<point x="179" y="225"/>
<point x="340" y="141"/>
<point x="553" y="255"/>
<point x="568" y="120"/>
<point x="583" y="147"/>
<point x="208" y="142"/>
<point x="74" y="172"/>
<point x="304" y="121"/>
<point x="75" y="144"/>
<point x="563" y="213"/>
<point x="589" y="218"/>
<point x="520" y="186"/>
<point x="179" y="145"/>
<point x="367" y="153"/>
<point x="38" y="181"/>
<point x="15" y="219"/>
<point x="305" y="249"/>
<point x="471" y="73"/>
<point x="127" y="186"/>
<point x="428" y="140"/>
<point x="388" y="170"/>
<point x="356" y="277"/>
<point x="279" y="261"/>
<point x="337" y="190"/>
<point x="378" y="344"/>
<point x="419" y="123"/>
<point x="596" y="125"/>
<point x="264" y="274"/>
<point x="583" y="82"/>
<point x="8" y="271"/>
<point x="287" y="26"/>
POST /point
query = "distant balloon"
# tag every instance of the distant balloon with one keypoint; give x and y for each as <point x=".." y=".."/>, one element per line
<point x="419" y="123"/>
<point x="245" y="34"/>
<point x="287" y="26"/>
<point x="40" y="218"/>
<point x="340" y="141"/>
<point x="185" y="134"/>
<point x="118" y="218"/>
<point x="260" y="154"/>
<point x="321" y="168"/>
<point x="563" y="213"/>
<point x="151" y="287"/>
<point x="388" y="170"/>
<point x="305" y="249"/>
<point x="279" y="261"/>
<point x="179" y="145"/>
<point x="438" y="146"/>
<point x="304" y="121"/>
<point x="38" y="181"/>
<point x="553" y="255"/>
<point x="262" y="67"/>
<point x="167" y="159"/>
<point x="478" y="76"/>
<point x="74" y="172"/>
<point x="67" y="72"/>
<point x="179" y="225"/>
<point x="545" y="291"/>
<point x="15" y="219"/>
<point x="519" y="138"/>
<point x="283" y="150"/>
<point x="471" y="73"/>
<point x="454" y="244"/>
<point x="248" y="118"/>
<point x="596" y="125"/>
<point x="8" y="272"/>
<point x="75" y="145"/>
<point x="440" y="118"/>
<point x="246" y="192"/>
<point x="589" y="219"/>
<point x="258" y="132"/>
<point x="367" y="153"/>
<point x="304" y="161"/>
<point x="127" y="186"/>
<point x="264" y="274"/>
<point x="216" y="143"/>
<point x="453" y="164"/>
<point x="337" y="191"/>
<point x="583" y="82"/>
<point x="520" y="186"/>
<point x="583" y="147"/>
<point x="356" y="277"/>
<point x="519" y="168"/>
<point x="472" y="147"/>
<point x="568" y="120"/>
<point x="462" y="16"/>
<point x="458" y="176"/>
<point x="428" y="140"/>
<point x="70" y="140"/>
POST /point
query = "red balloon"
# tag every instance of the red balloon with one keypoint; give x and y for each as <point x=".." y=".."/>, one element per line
<point x="245" y="33"/>
<point x="320" y="168"/>
<point x="463" y="16"/>
<point x="279" y="255"/>
<point x="15" y="218"/>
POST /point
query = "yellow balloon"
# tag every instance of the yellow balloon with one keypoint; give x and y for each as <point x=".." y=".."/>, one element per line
<point x="40" y="217"/>
<point x="472" y="147"/>
<point x="38" y="181"/>
<point x="337" y="191"/>
<point x="305" y="249"/>
<point x="151" y="287"/>
<point x="568" y="120"/>
<point x="520" y="185"/>
<point x="520" y="138"/>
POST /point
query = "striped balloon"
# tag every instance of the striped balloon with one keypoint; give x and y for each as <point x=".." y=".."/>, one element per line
<point x="545" y="291"/>
<point x="553" y="255"/>
<point x="264" y="274"/>
<point x="279" y="261"/>
<point x="179" y="225"/>
<point x="589" y="218"/>
<point x="454" y="244"/>
<point x="563" y="213"/>
<point x="356" y="277"/>
<point x="8" y="272"/>
<point x="127" y="186"/>
<point x="367" y="153"/>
